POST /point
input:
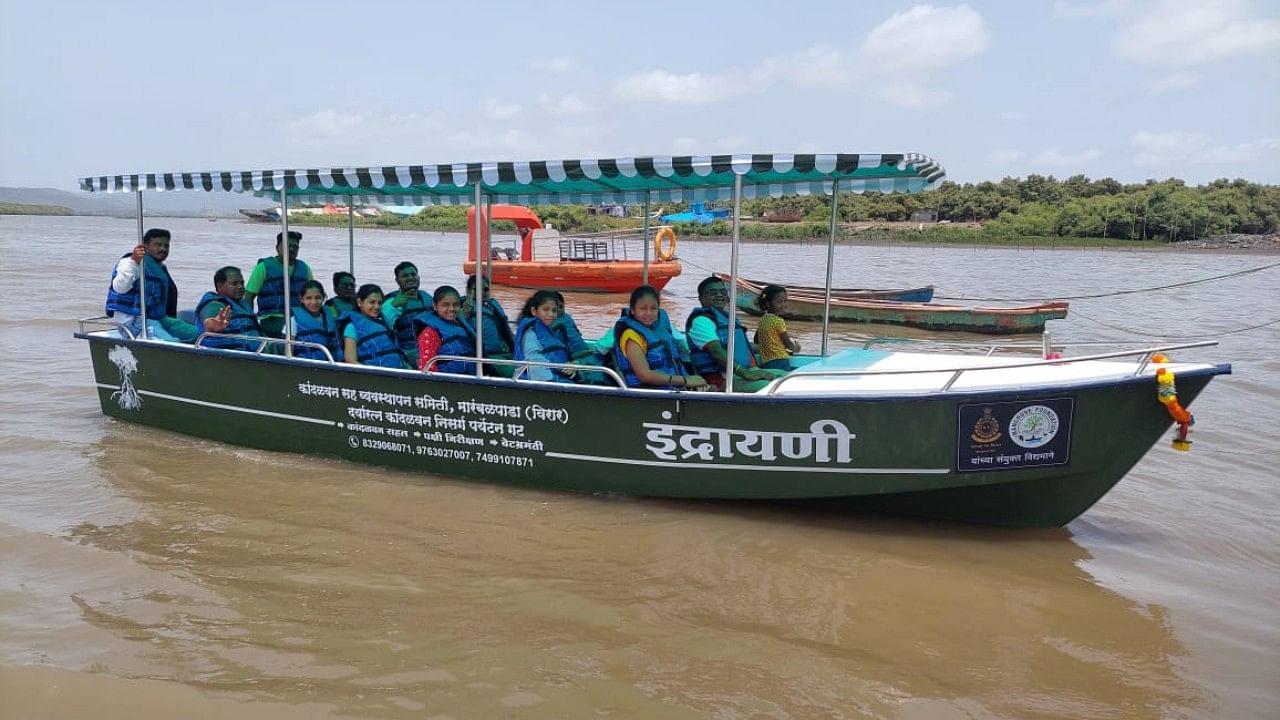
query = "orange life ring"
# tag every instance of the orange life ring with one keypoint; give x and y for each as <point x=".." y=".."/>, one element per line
<point x="665" y="252"/>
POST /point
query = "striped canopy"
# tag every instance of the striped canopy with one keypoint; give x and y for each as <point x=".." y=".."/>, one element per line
<point x="684" y="178"/>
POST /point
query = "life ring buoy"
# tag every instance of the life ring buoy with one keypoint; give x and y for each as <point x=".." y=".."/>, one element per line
<point x="667" y="251"/>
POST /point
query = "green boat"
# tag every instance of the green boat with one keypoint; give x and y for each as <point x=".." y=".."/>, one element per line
<point x="1011" y="441"/>
<point x="806" y="303"/>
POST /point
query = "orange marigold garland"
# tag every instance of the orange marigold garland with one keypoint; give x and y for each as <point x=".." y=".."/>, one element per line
<point x="1167" y="394"/>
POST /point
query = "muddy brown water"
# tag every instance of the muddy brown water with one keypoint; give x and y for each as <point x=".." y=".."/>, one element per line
<point x="144" y="573"/>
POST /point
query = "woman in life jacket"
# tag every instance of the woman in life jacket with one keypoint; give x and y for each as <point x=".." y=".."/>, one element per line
<point x="442" y="332"/>
<point x="312" y="323"/>
<point x="366" y="337"/>
<point x="535" y="339"/>
<point x="644" y="349"/>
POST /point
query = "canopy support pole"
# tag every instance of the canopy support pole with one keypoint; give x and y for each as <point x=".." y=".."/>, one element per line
<point x="351" y="239"/>
<point x="481" y="227"/>
<point x="831" y="258"/>
<point x="284" y="269"/>
<point x="645" y="239"/>
<point x="142" y="268"/>
<point x="733" y="284"/>
<point x="488" y="241"/>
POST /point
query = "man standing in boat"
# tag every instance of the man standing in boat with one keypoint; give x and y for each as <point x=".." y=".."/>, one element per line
<point x="266" y="285"/>
<point x="708" y="331"/>
<point x="404" y="306"/>
<point x="124" y="302"/>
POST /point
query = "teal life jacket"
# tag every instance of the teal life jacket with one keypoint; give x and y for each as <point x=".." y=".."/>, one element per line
<point x="270" y="298"/>
<point x="406" y="335"/>
<point x="320" y="329"/>
<point x="375" y="343"/>
<point x="497" y="328"/>
<point x="162" y="294"/>
<point x="456" y="338"/>
<point x="554" y="347"/>
<point x="661" y="354"/>
<point x="242" y="322"/>
<point x="703" y="362"/>
<point x="335" y="306"/>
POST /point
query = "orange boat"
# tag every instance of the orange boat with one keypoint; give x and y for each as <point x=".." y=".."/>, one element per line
<point x="542" y="258"/>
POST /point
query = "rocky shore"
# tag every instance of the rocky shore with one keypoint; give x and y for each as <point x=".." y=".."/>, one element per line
<point x="1233" y="241"/>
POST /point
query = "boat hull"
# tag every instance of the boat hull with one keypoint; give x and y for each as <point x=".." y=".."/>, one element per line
<point x="918" y="294"/>
<point x="614" y="276"/>
<point x="987" y="321"/>
<point x="674" y="445"/>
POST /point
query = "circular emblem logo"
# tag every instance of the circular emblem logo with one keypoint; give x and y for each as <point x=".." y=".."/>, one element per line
<point x="1033" y="426"/>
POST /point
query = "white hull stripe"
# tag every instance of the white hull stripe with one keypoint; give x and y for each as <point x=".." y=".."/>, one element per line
<point x="758" y="468"/>
<point x="221" y="406"/>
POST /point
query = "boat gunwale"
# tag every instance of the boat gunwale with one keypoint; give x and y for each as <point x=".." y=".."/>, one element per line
<point x="1195" y="370"/>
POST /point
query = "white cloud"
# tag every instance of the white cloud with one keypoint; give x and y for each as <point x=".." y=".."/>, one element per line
<point x="1179" y="147"/>
<point x="911" y="47"/>
<point x="689" y="89"/>
<point x="565" y="105"/>
<point x="329" y="124"/>
<point x="1176" y="81"/>
<point x="1094" y="8"/>
<point x="1192" y="32"/>
<point x="1014" y="117"/>
<point x="927" y="38"/>
<point x="818" y="66"/>
<point x="1055" y="157"/>
<point x="556" y="65"/>
<point x="684" y="146"/>
<point x="1005" y="156"/>
<point x="499" y="110"/>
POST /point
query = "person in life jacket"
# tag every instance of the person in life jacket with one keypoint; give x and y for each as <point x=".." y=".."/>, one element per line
<point x="708" y="331"/>
<point x="313" y="324"/>
<point x="344" y="294"/>
<point x="644" y="350"/>
<point x="224" y="311"/>
<point x="580" y="351"/>
<point x="266" y="285"/>
<point x="367" y="339"/>
<point x="124" y="303"/>
<point x="442" y="332"/>
<point x="535" y="340"/>
<point x="405" y="305"/>
<point x="498" y="342"/>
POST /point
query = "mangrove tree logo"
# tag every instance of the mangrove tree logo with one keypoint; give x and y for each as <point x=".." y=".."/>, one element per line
<point x="127" y="396"/>
<point x="1033" y="426"/>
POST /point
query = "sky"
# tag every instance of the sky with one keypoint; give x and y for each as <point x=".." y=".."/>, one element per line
<point x="1106" y="88"/>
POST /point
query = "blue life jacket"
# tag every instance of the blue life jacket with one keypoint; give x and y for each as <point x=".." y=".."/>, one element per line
<point x="375" y="343"/>
<point x="455" y="339"/>
<point x="406" y="335"/>
<point x="335" y="306"/>
<point x="159" y="288"/>
<point x="703" y="363"/>
<point x="270" y="297"/>
<point x="242" y="322"/>
<point x="320" y="329"/>
<point x="661" y="355"/>
<point x="553" y="345"/>
<point x="572" y="335"/>
<point x="497" y="328"/>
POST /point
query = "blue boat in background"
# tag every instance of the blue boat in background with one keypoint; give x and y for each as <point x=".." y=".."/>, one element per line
<point x="699" y="214"/>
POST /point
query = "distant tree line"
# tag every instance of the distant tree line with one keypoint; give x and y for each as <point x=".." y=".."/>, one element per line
<point x="1076" y="207"/>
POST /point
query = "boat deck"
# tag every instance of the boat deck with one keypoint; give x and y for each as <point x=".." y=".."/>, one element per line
<point x="905" y="373"/>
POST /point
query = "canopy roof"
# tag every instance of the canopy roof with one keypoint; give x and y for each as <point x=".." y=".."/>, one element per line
<point x="684" y="178"/>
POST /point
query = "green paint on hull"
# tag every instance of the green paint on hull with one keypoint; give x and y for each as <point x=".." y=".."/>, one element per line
<point x="897" y="455"/>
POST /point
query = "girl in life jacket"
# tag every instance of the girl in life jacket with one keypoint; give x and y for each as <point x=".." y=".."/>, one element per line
<point x="644" y="349"/>
<point x="442" y="332"/>
<point x="366" y="337"/>
<point x="536" y="339"/>
<point x="312" y="323"/>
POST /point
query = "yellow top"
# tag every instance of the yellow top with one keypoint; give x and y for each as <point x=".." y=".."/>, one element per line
<point x="769" y="338"/>
<point x="631" y="336"/>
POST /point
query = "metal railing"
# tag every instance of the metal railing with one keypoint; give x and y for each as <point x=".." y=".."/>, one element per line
<point x="102" y="322"/>
<point x="1144" y="353"/>
<point x="263" y="342"/>
<point x="523" y="366"/>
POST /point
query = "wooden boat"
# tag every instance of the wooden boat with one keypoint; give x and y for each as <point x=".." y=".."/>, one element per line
<point x="917" y="294"/>
<point x="1023" y="442"/>
<point x="544" y="259"/>
<point x="806" y="303"/>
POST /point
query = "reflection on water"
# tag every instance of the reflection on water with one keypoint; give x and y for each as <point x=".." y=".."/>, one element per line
<point x="189" y="575"/>
<point x="396" y="592"/>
